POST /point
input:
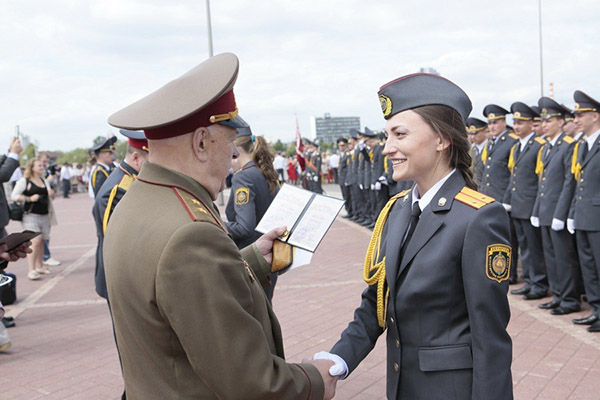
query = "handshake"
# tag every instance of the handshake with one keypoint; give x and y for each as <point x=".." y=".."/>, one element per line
<point x="331" y="367"/>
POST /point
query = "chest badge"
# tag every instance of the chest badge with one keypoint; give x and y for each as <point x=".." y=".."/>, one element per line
<point x="498" y="260"/>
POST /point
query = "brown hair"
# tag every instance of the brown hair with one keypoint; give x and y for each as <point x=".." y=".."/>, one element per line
<point x="448" y="123"/>
<point x="28" y="173"/>
<point x="263" y="158"/>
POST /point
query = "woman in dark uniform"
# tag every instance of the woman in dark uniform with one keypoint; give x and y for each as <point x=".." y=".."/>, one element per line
<point x="438" y="262"/>
<point x="253" y="187"/>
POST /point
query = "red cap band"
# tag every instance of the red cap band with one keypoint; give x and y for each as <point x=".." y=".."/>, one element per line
<point x="201" y="118"/>
<point x="141" y="144"/>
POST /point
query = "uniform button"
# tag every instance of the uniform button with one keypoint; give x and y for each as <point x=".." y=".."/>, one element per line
<point x="391" y="320"/>
<point x="487" y="175"/>
<point x="487" y="184"/>
<point x="514" y="189"/>
<point x="396" y="367"/>
<point x="397" y="343"/>
<point x="542" y="194"/>
<point x="581" y="180"/>
<point x="544" y="178"/>
<point x="580" y="197"/>
<point x="488" y="167"/>
<point x="581" y="189"/>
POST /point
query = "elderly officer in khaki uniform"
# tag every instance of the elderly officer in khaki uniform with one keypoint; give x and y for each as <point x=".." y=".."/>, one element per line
<point x="191" y="318"/>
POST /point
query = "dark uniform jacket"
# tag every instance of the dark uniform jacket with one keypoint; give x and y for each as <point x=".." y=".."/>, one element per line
<point x="377" y="164"/>
<point x="352" y="176"/>
<point x="248" y="202"/>
<point x="344" y="167"/>
<point x="191" y="318"/>
<point x="523" y="186"/>
<point x="360" y="168"/>
<point x="99" y="174"/>
<point x="8" y="165"/>
<point x="109" y="195"/>
<point x="446" y="318"/>
<point x="477" y="164"/>
<point x="494" y="180"/>
<point x="585" y="209"/>
<point x="557" y="184"/>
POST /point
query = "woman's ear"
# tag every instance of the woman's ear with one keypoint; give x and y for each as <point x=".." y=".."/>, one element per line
<point x="200" y="142"/>
<point x="443" y="143"/>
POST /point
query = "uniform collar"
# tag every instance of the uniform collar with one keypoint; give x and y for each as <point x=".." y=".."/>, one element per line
<point x="526" y="140"/>
<point x="103" y="165"/>
<point x="127" y="168"/>
<point x="430" y="194"/>
<point x="592" y="138"/>
<point x="482" y="145"/>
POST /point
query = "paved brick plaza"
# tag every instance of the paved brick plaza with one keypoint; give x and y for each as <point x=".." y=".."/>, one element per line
<point x="63" y="346"/>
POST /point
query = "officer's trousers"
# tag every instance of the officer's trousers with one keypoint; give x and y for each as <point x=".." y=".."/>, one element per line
<point x="562" y="263"/>
<point x="588" y="247"/>
<point x="347" y="195"/>
<point x="532" y="255"/>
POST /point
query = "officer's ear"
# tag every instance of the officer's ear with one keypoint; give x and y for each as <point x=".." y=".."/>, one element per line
<point x="443" y="143"/>
<point x="200" y="143"/>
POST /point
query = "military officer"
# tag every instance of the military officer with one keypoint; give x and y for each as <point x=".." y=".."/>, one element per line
<point x="343" y="169"/>
<point x="104" y="153"/>
<point x="109" y="195"/>
<point x="536" y="125"/>
<point x="308" y="167"/>
<point x="551" y="208"/>
<point x="438" y="281"/>
<point x="317" y="164"/>
<point x="378" y="176"/>
<point x="496" y="175"/>
<point x="368" y="151"/>
<point x="365" y="200"/>
<point x="192" y="320"/>
<point x="254" y="185"/>
<point x="477" y="131"/>
<point x="584" y="215"/>
<point x="520" y="197"/>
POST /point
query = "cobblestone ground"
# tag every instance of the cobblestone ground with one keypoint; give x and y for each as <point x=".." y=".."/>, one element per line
<point x="62" y="346"/>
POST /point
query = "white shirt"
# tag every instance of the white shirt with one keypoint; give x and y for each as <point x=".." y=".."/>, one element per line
<point x="334" y="161"/>
<point x="481" y="146"/>
<point x="554" y="140"/>
<point x="65" y="172"/>
<point x="525" y="140"/>
<point x="430" y="194"/>
<point x="279" y="162"/>
<point x="592" y="139"/>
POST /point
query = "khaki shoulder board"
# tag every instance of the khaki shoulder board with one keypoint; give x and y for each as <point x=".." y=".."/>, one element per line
<point x="568" y="139"/>
<point x="540" y="140"/>
<point x="193" y="206"/>
<point x="473" y="198"/>
<point x="514" y="136"/>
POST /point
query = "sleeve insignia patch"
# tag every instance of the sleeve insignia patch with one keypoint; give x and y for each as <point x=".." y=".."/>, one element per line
<point x="242" y="196"/>
<point x="497" y="265"/>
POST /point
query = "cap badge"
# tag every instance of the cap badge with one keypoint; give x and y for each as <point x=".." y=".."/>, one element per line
<point x="491" y="115"/>
<point x="577" y="106"/>
<point x="517" y="115"/>
<point x="544" y="111"/>
<point x="442" y="202"/>
<point x="386" y="104"/>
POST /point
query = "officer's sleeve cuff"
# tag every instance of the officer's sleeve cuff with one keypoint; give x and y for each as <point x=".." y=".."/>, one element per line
<point x="315" y="380"/>
<point x="257" y="262"/>
<point x="14" y="156"/>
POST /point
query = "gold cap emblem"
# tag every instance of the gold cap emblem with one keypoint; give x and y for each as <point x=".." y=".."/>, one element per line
<point x="491" y="115"/>
<point x="386" y="104"/>
<point x="517" y="115"/>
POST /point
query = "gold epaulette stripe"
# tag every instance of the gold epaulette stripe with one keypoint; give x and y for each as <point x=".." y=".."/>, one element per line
<point x="192" y="205"/>
<point x="568" y="139"/>
<point x="473" y="198"/>
<point x="514" y="136"/>
<point x="540" y="140"/>
<point x="126" y="182"/>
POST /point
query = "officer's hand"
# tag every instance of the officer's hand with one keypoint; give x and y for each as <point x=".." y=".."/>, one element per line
<point x="339" y="369"/>
<point x="20" y="252"/>
<point x="507" y="207"/>
<point x="557" y="224"/>
<point x="264" y="244"/>
<point x="535" y="221"/>
<point x="329" y="381"/>
<point x="16" y="146"/>
<point x="360" y="186"/>
<point x="377" y="186"/>
<point x="571" y="226"/>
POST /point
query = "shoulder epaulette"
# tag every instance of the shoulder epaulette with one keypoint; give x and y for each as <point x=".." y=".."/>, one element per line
<point x="126" y="182"/>
<point x="401" y="194"/>
<point x="192" y="205"/>
<point x="568" y="139"/>
<point x="513" y="135"/>
<point x="540" y="140"/>
<point x="473" y="198"/>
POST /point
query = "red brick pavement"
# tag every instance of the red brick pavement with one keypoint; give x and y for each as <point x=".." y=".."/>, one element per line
<point x="63" y="346"/>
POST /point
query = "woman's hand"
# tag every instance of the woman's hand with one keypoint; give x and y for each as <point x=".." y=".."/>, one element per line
<point x="34" y="198"/>
<point x="20" y="252"/>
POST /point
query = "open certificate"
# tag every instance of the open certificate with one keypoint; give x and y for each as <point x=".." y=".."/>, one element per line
<point x="307" y="216"/>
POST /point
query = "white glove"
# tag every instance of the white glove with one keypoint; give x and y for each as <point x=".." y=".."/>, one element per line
<point x="557" y="225"/>
<point x="360" y="186"/>
<point x="383" y="180"/>
<point x="377" y="185"/>
<point x="361" y="145"/>
<point x="571" y="226"/>
<point x="339" y="369"/>
<point x="372" y="187"/>
<point x="507" y="207"/>
<point x="315" y="178"/>
<point x="535" y="221"/>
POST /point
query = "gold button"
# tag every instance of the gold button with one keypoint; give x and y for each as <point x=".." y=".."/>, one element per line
<point x="391" y="320"/>
<point x="397" y="343"/>
<point x="580" y="197"/>
<point x="396" y="367"/>
<point x="514" y="189"/>
<point x="544" y="178"/>
<point x="542" y="194"/>
<point x="487" y="184"/>
<point x="581" y="180"/>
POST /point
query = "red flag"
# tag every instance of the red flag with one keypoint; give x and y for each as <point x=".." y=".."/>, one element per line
<point x="299" y="147"/>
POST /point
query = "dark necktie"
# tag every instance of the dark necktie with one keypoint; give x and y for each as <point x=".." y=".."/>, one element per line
<point x="584" y="150"/>
<point x="414" y="219"/>
<point x="517" y="151"/>
<point x="548" y="150"/>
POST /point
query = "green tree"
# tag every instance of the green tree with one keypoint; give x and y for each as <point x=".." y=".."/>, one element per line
<point x="290" y="149"/>
<point x="79" y="155"/>
<point x="28" y="152"/>
<point x="279" y="146"/>
<point x="120" y="149"/>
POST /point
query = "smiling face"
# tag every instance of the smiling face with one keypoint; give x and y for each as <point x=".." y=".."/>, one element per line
<point x="552" y="127"/>
<point x="523" y="128"/>
<point x="414" y="148"/>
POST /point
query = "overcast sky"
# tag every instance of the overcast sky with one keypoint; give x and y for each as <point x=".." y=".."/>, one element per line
<point x="66" y="65"/>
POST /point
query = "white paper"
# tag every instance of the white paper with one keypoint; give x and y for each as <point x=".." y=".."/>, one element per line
<point x="285" y="208"/>
<point x="315" y="222"/>
<point x="301" y="258"/>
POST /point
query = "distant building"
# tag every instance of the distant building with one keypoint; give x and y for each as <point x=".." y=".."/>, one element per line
<point x="429" y="70"/>
<point x="327" y="128"/>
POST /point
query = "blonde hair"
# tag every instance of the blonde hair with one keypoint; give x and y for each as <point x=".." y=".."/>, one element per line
<point x="29" y="167"/>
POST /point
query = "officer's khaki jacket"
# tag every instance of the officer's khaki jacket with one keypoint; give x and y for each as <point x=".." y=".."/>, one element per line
<point x="191" y="318"/>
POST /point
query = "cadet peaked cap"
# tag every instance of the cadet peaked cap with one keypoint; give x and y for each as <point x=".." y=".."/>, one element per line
<point x="538" y="111"/>
<point x="244" y="130"/>
<point x="494" y="112"/>
<point x="135" y="139"/>
<point x="341" y="139"/>
<point x="584" y="103"/>
<point x="369" y="133"/>
<point x="569" y="116"/>
<point x="550" y="108"/>
<point x="199" y="98"/>
<point x="475" y="125"/>
<point x="107" y="145"/>
<point x="522" y="112"/>
<point x="422" y="89"/>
